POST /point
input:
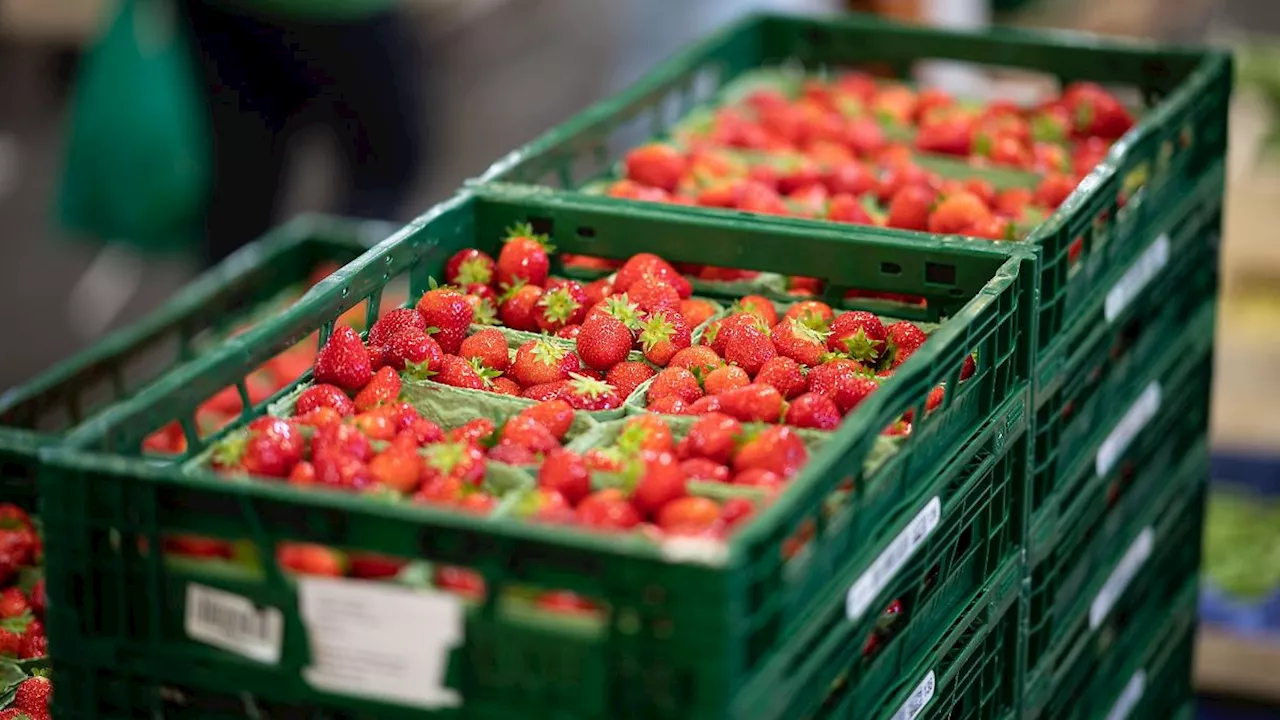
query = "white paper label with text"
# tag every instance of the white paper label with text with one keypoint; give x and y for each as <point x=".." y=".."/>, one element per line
<point x="918" y="699"/>
<point x="890" y="561"/>
<point x="233" y="623"/>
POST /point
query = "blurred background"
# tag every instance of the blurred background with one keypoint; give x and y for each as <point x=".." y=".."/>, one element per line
<point x="493" y="74"/>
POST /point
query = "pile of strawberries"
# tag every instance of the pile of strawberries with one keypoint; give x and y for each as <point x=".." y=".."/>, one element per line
<point x="31" y="699"/>
<point x="21" y="611"/>
<point x="846" y="150"/>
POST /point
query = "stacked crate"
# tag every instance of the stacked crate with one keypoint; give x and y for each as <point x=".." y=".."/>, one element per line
<point x="1040" y="528"/>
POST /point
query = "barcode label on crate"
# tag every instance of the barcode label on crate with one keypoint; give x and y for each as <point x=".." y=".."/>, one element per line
<point x="1121" y="576"/>
<point x="1129" y="697"/>
<point x="1138" y="276"/>
<point x="381" y="641"/>
<point x="1134" y="419"/>
<point x="232" y="622"/>
<point x="918" y="699"/>
<point x="890" y="561"/>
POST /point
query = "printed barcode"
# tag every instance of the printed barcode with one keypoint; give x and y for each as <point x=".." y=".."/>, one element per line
<point x="865" y="589"/>
<point x="236" y="623"/>
<point x="917" y="700"/>
<point x="231" y="622"/>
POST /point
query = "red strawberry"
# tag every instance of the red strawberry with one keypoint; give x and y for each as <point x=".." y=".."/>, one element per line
<point x="760" y="478"/>
<point x="700" y="468"/>
<point x="762" y="403"/>
<point x="556" y="415"/>
<point x="564" y="305"/>
<point x="473" y="431"/>
<point x="308" y="559"/>
<point x="724" y="379"/>
<point x="749" y="347"/>
<point x="423" y="431"/>
<point x="776" y="448"/>
<point x="341" y="439"/>
<point x="469" y="266"/>
<point x="38" y="598"/>
<point x="703" y="405"/>
<point x="456" y="372"/>
<point x="383" y="389"/>
<point x="812" y="410"/>
<point x="662" y="335"/>
<point x="377" y="424"/>
<point x="397" y="468"/>
<point x="718" y="333"/>
<point x="959" y="213"/>
<point x="1053" y="190"/>
<point x="644" y="432"/>
<point x="641" y="264"/>
<point x="620" y="307"/>
<point x="625" y="377"/>
<point x="696" y="356"/>
<point x="843" y="381"/>
<point x="343" y="361"/>
<point x="505" y="386"/>
<point x="674" y="382"/>
<point x="324" y="396"/>
<point x="585" y="393"/>
<point x="13" y="603"/>
<point x="597" y="291"/>
<point x="759" y="306"/>
<point x="909" y="209"/>
<point x="489" y="347"/>
<point x="1095" y="111"/>
<point x="454" y="459"/>
<point x="546" y="391"/>
<point x="653" y="295"/>
<point x="658" y="480"/>
<point x="860" y="335"/>
<point x="270" y="447"/>
<point x="541" y="361"/>
<point x="904" y="339"/>
<point x="527" y="431"/>
<point x="657" y="165"/>
<point x="607" y="510"/>
<point x="415" y="352"/>
<point x="696" y="311"/>
<point x="524" y="257"/>
<point x="669" y="405"/>
<point x="518" y="307"/>
<point x="511" y="454"/>
<point x="565" y="472"/>
<point x="449" y="312"/>
<point x="9" y="643"/>
<point x="394" y="323"/>
<point x="968" y="367"/>
<point x="793" y="339"/>
<point x="785" y="375"/>
<point x="569" y="332"/>
<point x="714" y="436"/>
<point x="603" y="342"/>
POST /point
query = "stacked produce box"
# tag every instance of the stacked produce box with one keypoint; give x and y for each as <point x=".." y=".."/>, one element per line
<point x="771" y="388"/>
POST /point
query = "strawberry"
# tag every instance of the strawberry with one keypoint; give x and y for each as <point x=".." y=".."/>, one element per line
<point x="669" y="405"/>
<point x="341" y="439"/>
<point x="762" y="403"/>
<point x="968" y="367"/>
<point x="456" y="372"/>
<point x="376" y="424"/>
<point x="304" y="473"/>
<point x="524" y="257"/>
<point x="700" y="468"/>
<point x="724" y="379"/>
<point x="1094" y="111"/>
<point x="383" y="389"/>
<point x="270" y="447"/>
<point x="735" y="511"/>
<point x="489" y="347"/>
<point x="38" y="598"/>
<point x="759" y="306"/>
<point x="504" y="386"/>
<point x="657" y="479"/>
<point x="569" y="332"/>
<point x="625" y="377"/>
<point x="662" y="335"/>
<point x="657" y="165"/>
<point x="759" y="478"/>
<point x="749" y="347"/>
<point x="13" y="603"/>
<point x="909" y="209"/>
<point x="556" y="415"/>
<point x="34" y="643"/>
<point x="848" y="209"/>
<point x="398" y="468"/>
<point x="597" y="291"/>
<point x="308" y="559"/>
<point x="565" y="472"/>
<point x="690" y="516"/>
<point x="603" y="342"/>
<point x="794" y="339"/>
<point x="197" y="546"/>
<point x="372" y="566"/>
<point x="642" y="264"/>
<point x="718" y="333"/>
<point x="540" y="361"/>
<point x="461" y="460"/>
<point x="1053" y="190"/>
<point x="696" y="311"/>
<point x="776" y="448"/>
<point x="653" y="295"/>
<point x="415" y="352"/>
<point x="33" y="695"/>
<point x="696" y="356"/>
<point x="343" y="361"/>
<point x="448" y="312"/>
<point x="472" y="431"/>
<point x="484" y="307"/>
<point x="527" y="431"/>
<point x="703" y="405"/>
<point x="468" y="267"/>
<point x="785" y="375"/>
<point x="853" y="179"/>
<point x="561" y="306"/>
<point x="644" y="432"/>
<point x="859" y="335"/>
<point x="546" y="391"/>
<point x="590" y="394"/>
<point x="423" y="431"/>
<point x="10" y="641"/>
<point x="674" y="382"/>
<point x="904" y="339"/>
<point x="607" y="510"/>
<point x="714" y="436"/>
<point x="812" y="410"/>
<point x="395" y="322"/>
<point x="620" y="307"/>
<point x="958" y="214"/>
<point x="844" y="382"/>
<point x="324" y="396"/>
<point x="510" y="453"/>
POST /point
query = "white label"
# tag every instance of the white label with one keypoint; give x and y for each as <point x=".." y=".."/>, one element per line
<point x="1138" y="276"/>
<point x="1135" y="418"/>
<point x="917" y="700"/>
<point x="1129" y="697"/>
<point x="889" y="562"/>
<point x="379" y="640"/>
<point x="1120" y="578"/>
<point x="232" y="622"/>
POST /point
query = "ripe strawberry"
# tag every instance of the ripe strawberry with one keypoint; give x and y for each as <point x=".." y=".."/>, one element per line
<point x="749" y="347"/>
<point x="511" y="454"/>
<point x="397" y="468"/>
<point x="376" y="424"/>
<point x="735" y="511"/>
<point x="654" y="295"/>
<point x="759" y="306"/>
<point x="607" y="510"/>
<point x="540" y="361"/>
<point x="1012" y="202"/>
<point x="324" y="396"/>
<point x="657" y="479"/>
<point x="504" y="386"/>
<point x="700" y="468"/>
<point x="394" y="323"/>
<point x="1094" y="111"/>
<point x="696" y="356"/>
<point x="34" y="643"/>
<point x="674" y="382"/>
<point x="343" y="361"/>
<point x="456" y="372"/>
<point x="527" y="431"/>
<point x="625" y="377"/>
<point x="38" y="598"/>
<point x="909" y="209"/>
<point x="696" y="311"/>
<point x="569" y="332"/>
<point x="489" y="347"/>
<point x="703" y="405"/>
<point x="484" y="304"/>
<point x="564" y="305"/>
<point x="524" y="256"/>
<point x="714" y="436"/>
<point x="565" y="472"/>
<point x="372" y="566"/>
<point x="812" y="410"/>
<point x="304" y="473"/>
<point x="641" y="264"/>
<point x="449" y="312"/>
<point x="472" y="431"/>
<point x="597" y="290"/>
<point x="197" y="546"/>
<point x="603" y="342"/>
<point x="415" y="352"/>
<point x="785" y="375"/>
<point x="656" y="165"/>
<point x="776" y="448"/>
<point x="724" y="379"/>
<point x="794" y="339"/>
<point x="9" y="643"/>
<point x="753" y="403"/>
<point x="461" y="460"/>
<point x="718" y="333"/>
<point x="590" y="394"/>
<point x="383" y="389"/>
<point x="904" y="339"/>
<point x="689" y="516"/>
<point x="968" y="367"/>
<point x="669" y="405"/>
<point x="377" y="356"/>
<point x="1053" y="190"/>
<point x="859" y="335"/>
<point x="308" y="559"/>
<point x="545" y="391"/>
<point x="32" y="695"/>
<point x="759" y="478"/>
<point x="959" y="213"/>
<point x="13" y="603"/>
<point x="620" y="307"/>
<point x="843" y="381"/>
<point x="556" y="415"/>
<point x="270" y="447"/>
<point x="343" y="440"/>
<point x="469" y="267"/>
<point x="662" y="335"/>
<point x="518" y="306"/>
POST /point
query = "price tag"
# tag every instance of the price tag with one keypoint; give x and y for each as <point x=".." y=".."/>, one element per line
<point x="917" y="700"/>
<point x="1129" y="697"/>
<point x="233" y="623"/>
<point x="890" y="561"/>
<point x="381" y="641"/>
<point x="1121" y="576"/>
<point x="1134" y="419"/>
<point x="1138" y="276"/>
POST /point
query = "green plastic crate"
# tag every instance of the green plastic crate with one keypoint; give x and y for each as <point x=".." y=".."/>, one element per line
<point x="1146" y="176"/>
<point x="117" y="367"/>
<point x="690" y="634"/>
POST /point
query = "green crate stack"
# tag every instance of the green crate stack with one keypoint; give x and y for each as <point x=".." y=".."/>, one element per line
<point x="742" y="629"/>
<point x="40" y="412"/>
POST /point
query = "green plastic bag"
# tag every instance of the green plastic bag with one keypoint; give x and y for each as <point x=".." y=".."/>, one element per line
<point x="137" y="157"/>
